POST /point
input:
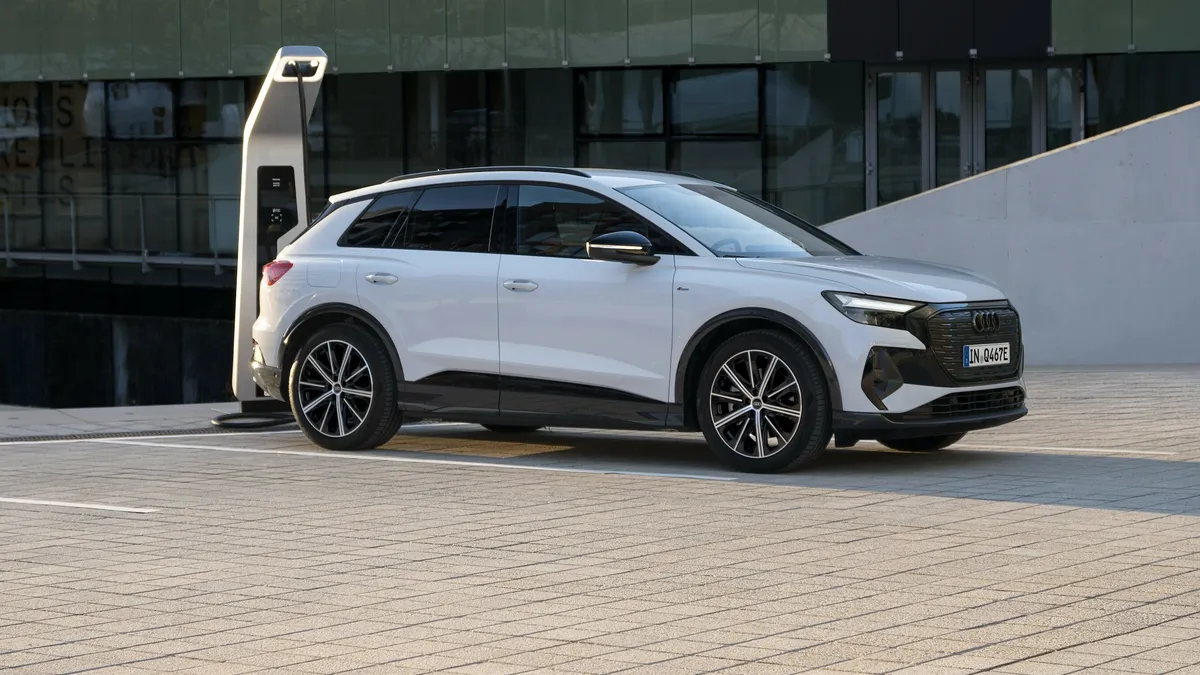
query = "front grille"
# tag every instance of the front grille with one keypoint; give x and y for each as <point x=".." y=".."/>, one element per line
<point x="971" y="403"/>
<point x="951" y="330"/>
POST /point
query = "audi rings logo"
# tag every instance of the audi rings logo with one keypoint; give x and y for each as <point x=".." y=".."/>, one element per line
<point x="986" y="322"/>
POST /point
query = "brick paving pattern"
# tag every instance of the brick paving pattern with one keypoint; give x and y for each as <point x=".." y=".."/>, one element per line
<point x="456" y="551"/>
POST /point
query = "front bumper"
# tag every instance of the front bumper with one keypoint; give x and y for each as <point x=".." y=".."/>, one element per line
<point x="953" y="413"/>
<point x="267" y="378"/>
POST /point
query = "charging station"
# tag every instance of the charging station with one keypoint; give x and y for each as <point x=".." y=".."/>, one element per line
<point x="274" y="194"/>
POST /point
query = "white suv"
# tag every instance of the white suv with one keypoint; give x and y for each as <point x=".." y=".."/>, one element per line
<point x="522" y="297"/>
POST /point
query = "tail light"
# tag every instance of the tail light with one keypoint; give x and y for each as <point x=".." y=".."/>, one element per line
<point x="274" y="271"/>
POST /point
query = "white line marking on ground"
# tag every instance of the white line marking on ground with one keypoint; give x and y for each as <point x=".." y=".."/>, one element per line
<point x="74" y="505"/>
<point x="1107" y="451"/>
<point x="407" y="460"/>
<point x="46" y="442"/>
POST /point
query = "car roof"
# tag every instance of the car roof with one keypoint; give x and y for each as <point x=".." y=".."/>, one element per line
<point x="615" y="178"/>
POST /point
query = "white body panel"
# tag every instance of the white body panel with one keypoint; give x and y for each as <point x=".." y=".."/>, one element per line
<point x="589" y="322"/>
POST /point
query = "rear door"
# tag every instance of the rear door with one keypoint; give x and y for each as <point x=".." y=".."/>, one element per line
<point x="432" y="284"/>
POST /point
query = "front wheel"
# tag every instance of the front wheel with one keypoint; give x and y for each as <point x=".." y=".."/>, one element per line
<point x="343" y="390"/>
<point x="922" y="444"/>
<point x="763" y="403"/>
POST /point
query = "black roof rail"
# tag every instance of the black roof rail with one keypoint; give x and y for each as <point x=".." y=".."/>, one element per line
<point x="447" y="172"/>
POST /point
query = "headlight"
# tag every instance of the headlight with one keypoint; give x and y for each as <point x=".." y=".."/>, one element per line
<point x="882" y="312"/>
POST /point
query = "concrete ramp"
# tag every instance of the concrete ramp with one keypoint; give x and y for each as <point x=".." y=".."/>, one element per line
<point x="1097" y="243"/>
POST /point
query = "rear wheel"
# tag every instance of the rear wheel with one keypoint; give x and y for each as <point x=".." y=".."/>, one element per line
<point x="923" y="444"/>
<point x="510" y="428"/>
<point x="343" y="390"/>
<point x="763" y="403"/>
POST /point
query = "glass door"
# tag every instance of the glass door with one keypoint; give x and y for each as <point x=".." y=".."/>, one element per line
<point x="897" y="135"/>
<point x="1009" y="115"/>
<point x="951" y="136"/>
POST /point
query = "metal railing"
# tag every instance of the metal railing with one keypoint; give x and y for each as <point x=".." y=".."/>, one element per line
<point x="100" y="230"/>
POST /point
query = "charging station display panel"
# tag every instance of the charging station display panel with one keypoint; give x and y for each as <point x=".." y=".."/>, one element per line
<point x="278" y="209"/>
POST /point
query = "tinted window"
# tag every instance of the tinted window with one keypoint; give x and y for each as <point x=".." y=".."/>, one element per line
<point x="457" y="218"/>
<point x="372" y="227"/>
<point x="554" y="221"/>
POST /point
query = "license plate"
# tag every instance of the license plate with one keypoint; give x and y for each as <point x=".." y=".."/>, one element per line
<point x="975" y="356"/>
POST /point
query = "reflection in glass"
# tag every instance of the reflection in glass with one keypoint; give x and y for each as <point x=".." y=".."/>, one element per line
<point x="620" y="102"/>
<point x="209" y="186"/>
<point x="642" y="155"/>
<point x="814" y="144"/>
<point x="541" y="105"/>
<point x="20" y="160"/>
<point x="737" y="164"/>
<point x="1060" y="117"/>
<point x="715" y="101"/>
<point x="73" y="174"/>
<point x="212" y="108"/>
<point x="1008" y="116"/>
<point x="141" y="110"/>
<point x="1127" y="88"/>
<point x="142" y="176"/>
<point x="947" y="126"/>
<point x="899" y="136"/>
<point x="364" y="133"/>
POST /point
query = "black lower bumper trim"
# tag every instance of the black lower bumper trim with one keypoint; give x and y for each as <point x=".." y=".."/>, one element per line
<point x="267" y="379"/>
<point x="857" y="426"/>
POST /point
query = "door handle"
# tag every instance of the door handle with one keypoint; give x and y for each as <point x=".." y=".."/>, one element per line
<point x="381" y="278"/>
<point x="520" y="285"/>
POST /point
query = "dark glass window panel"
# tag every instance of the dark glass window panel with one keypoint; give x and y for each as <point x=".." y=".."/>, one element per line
<point x="900" y="140"/>
<point x="814" y="145"/>
<point x="1060" y="113"/>
<point x="212" y="109"/>
<point x="457" y="218"/>
<point x="715" y="101"/>
<point x="947" y="125"/>
<point x="447" y="120"/>
<point x="1127" y="88"/>
<point x="637" y="155"/>
<point x="143" y="179"/>
<point x="1008" y="116"/>
<point x="20" y="165"/>
<point x="140" y="110"/>
<point x="532" y="118"/>
<point x="209" y="189"/>
<point x="364" y="134"/>
<point x="737" y="164"/>
<point x="372" y="227"/>
<point x="73" y="178"/>
<point x="621" y="102"/>
<point x="558" y="222"/>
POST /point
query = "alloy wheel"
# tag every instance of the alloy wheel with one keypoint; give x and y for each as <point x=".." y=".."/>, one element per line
<point x="335" y="388"/>
<point x="756" y="403"/>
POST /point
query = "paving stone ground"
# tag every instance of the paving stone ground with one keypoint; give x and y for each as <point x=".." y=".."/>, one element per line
<point x="1066" y="542"/>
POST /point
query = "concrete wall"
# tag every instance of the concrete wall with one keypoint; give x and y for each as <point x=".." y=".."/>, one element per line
<point x="1097" y="243"/>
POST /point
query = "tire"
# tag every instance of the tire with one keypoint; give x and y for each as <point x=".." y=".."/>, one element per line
<point x="800" y="435"/>
<point x="366" y="421"/>
<point x="924" y="444"/>
<point x="510" y="428"/>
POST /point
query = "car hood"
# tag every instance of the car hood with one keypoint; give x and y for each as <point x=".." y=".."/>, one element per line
<point x="888" y="277"/>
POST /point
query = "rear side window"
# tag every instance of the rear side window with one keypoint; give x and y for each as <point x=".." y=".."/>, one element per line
<point x="453" y="218"/>
<point x="373" y="226"/>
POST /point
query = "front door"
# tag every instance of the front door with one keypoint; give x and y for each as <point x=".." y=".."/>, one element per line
<point x="583" y="339"/>
<point x="433" y="285"/>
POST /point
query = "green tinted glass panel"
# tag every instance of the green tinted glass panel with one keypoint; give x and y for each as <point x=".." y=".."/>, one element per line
<point x="310" y="22"/>
<point x="64" y="34"/>
<point x="793" y="30"/>
<point x="660" y="31"/>
<point x="363" y="40"/>
<point x="155" y="38"/>
<point x="205" y="51"/>
<point x="1091" y="26"/>
<point x="535" y="33"/>
<point x="1166" y="25"/>
<point x="476" y="34"/>
<point x="255" y="34"/>
<point x="418" y="34"/>
<point x="20" y="44"/>
<point x="725" y="31"/>
<point x="597" y="32"/>
<point x="108" y="53"/>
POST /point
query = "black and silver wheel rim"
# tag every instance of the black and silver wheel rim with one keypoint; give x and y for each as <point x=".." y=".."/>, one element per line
<point x="756" y="404"/>
<point x="335" y="388"/>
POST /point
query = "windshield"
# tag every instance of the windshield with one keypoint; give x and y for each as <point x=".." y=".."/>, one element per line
<point x="731" y="224"/>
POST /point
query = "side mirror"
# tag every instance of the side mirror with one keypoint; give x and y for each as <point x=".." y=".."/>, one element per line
<point x="625" y="246"/>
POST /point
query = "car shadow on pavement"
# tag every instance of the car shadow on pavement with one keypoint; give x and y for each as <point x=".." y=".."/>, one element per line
<point x="1156" y="483"/>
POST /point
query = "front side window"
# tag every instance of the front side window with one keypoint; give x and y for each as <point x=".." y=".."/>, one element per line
<point x="373" y="226"/>
<point x="558" y="222"/>
<point x="453" y="218"/>
<point x="731" y="224"/>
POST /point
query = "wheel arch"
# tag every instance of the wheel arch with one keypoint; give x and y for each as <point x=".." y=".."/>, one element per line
<point x="316" y="318"/>
<point x="724" y="326"/>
